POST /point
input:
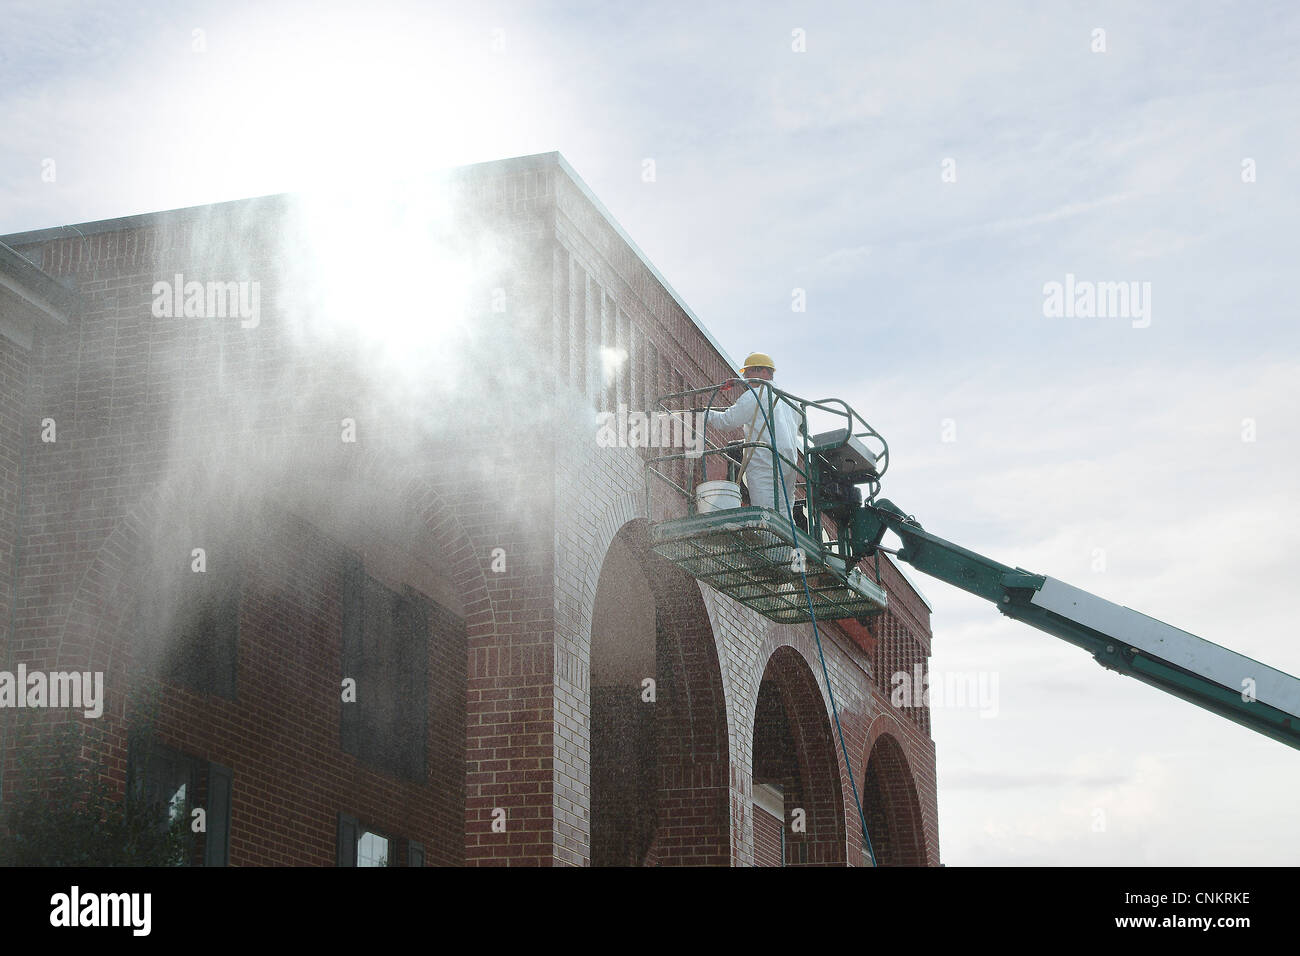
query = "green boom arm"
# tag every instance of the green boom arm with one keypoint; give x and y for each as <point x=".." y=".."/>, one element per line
<point x="1208" y="675"/>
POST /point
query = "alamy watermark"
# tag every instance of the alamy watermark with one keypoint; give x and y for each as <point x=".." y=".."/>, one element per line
<point x="78" y="909"/>
<point x="208" y="300"/>
<point x="660" y="429"/>
<point x="977" y="690"/>
<point x="79" y="690"/>
<point x="1104" y="300"/>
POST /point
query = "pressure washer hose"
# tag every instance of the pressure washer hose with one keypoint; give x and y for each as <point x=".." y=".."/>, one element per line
<point x="803" y="575"/>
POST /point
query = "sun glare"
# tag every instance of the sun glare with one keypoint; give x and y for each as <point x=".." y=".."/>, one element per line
<point x="361" y="115"/>
<point x="324" y="99"/>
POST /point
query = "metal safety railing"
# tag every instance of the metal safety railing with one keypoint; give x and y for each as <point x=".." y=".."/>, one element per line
<point x="694" y="407"/>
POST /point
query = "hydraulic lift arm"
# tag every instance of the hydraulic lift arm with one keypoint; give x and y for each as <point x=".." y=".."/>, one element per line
<point x="1215" y="678"/>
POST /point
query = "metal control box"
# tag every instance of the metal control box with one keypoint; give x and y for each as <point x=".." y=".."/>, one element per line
<point x="850" y="459"/>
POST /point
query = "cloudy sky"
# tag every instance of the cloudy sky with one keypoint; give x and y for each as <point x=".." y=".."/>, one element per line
<point x="923" y="172"/>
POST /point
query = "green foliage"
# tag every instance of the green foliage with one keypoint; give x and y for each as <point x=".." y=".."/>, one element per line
<point x="66" y="814"/>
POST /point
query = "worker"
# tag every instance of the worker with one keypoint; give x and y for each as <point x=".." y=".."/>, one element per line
<point x="756" y="462"/>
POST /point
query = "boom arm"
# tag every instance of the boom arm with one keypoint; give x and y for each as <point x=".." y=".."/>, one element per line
<point x="1221" y="681"/>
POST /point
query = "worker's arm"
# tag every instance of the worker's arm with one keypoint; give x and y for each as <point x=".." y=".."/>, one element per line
<point x="737" y="415"/>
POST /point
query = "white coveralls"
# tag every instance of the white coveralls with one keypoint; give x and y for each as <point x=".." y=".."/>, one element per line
<point x="759" y="477"/>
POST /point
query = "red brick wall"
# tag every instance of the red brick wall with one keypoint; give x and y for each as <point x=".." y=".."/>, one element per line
<point x="282" y="736"/>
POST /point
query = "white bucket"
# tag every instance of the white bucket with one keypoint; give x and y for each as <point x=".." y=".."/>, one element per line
<point x="717" y="496"/>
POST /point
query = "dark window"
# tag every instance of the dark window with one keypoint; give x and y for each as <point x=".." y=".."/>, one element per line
<point x="386" y="652"/>
<point x="163" y="784"/>
<point x="205" y="637"/>
<point x="167" y="786"/>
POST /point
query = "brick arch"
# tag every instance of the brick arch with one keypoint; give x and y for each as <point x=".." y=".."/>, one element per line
<point x="794" y="745"/>
<point x="621" y="512"/>
<point x="618" y="513"/>
<point x="890" y="801"/>
<point x="797" y="639"/>
<point x="691" y="798"/>
<point x="94" y="633"/>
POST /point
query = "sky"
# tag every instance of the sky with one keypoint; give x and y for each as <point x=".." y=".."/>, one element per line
<point x="918" y="175"/>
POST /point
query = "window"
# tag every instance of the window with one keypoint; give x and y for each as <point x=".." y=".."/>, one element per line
<point x="168" y="786"/>
<point x="361" y="846"/>
<point x="160" y="777"/>
<point x="386" y="652"/>
<point x="372" y="849"/>
<point x="205" y="638"/>
<point x="165" y="781"/>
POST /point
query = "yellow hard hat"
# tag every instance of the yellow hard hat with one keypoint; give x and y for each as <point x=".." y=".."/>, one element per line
<point x="758" y="360"/>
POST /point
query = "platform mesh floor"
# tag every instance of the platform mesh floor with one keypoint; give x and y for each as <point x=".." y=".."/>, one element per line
<point x="746" y="554"/>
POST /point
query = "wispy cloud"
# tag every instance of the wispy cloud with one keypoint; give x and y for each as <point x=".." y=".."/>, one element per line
<point x="972" y="780"/>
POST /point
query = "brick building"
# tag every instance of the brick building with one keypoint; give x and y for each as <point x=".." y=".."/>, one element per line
<point x="426" y="611"/>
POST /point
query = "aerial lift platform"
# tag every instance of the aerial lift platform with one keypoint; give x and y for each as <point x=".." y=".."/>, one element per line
<point x="757" y="555"/>
<point x="825" y="531"/>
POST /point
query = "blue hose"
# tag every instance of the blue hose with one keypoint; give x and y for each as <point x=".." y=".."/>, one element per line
<point x="803" y="574"/>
